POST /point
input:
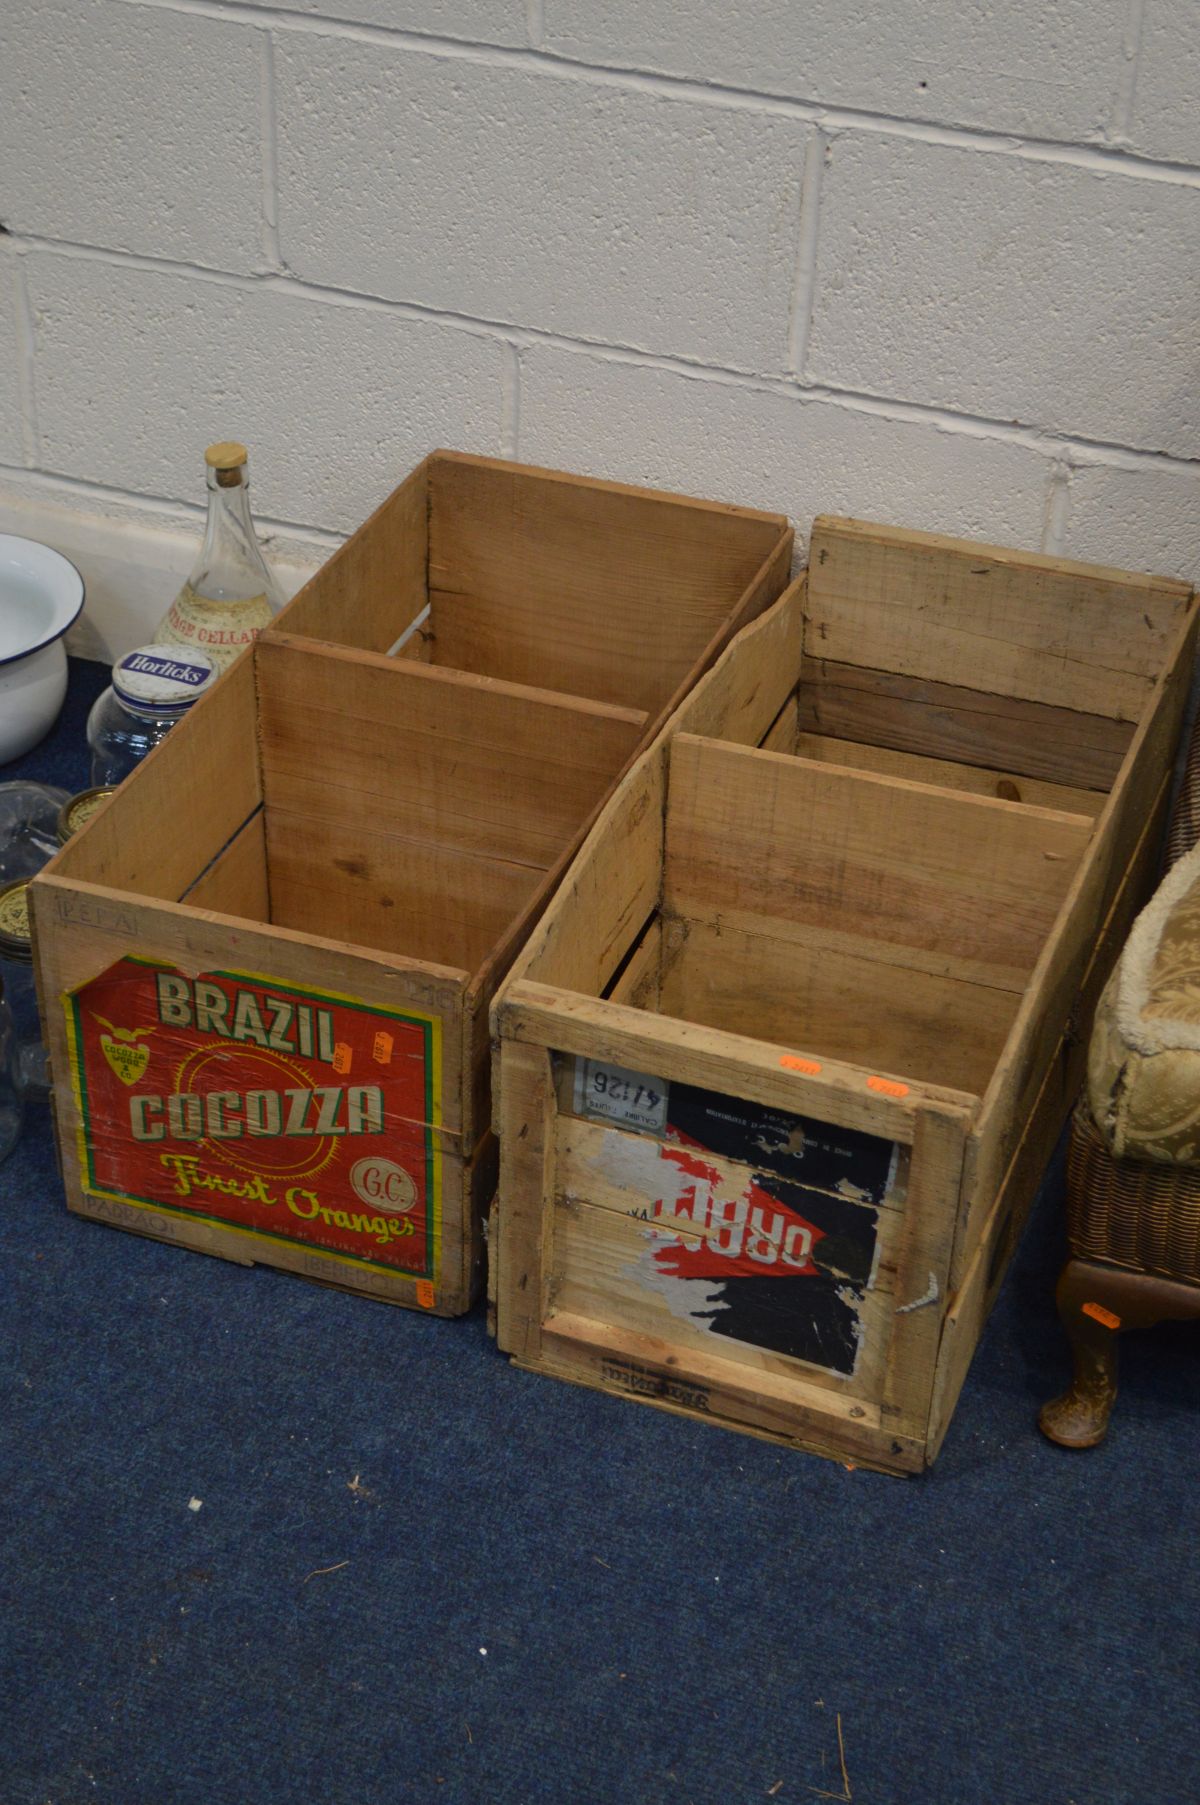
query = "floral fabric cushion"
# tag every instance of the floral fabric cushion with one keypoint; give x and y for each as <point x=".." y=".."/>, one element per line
<point x="1144" y="1057"/>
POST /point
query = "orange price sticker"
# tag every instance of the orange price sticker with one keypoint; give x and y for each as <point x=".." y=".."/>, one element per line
<point x="381" y="1052"/>
<point x="1099" y="1314"/>
<point x="342" y="1057"/>
<point x="425" y="1294"/>
<point x="792" y="1062"/>
<point x="887" y="1087"/>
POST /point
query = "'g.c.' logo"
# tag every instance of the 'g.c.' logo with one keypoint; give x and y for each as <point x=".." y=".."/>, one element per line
<point x="383" y="1185"/>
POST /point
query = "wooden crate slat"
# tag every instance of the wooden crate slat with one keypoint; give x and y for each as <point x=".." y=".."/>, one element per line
<point x="552" y="581"/>
<point x="193" y="794"/>
<point x="374" y="586"/>
<point x="399" y="895"/>
<point x="525" y="1133"/>
<point x="646" y="1370"/>
<point x="432" y="755"/>
<point x="1011" y="786"/>
<point x="968" y="726"/>
<point x="1044" y="630"/>
<point x="887" y="1016"/>
<point x="542" y="1015"/>
<point x="742" y="695"/>
<point x="892" y="861"/>
<point x="615" y="891"/>
<point x="236" y="882"/>
<point x="935" y="1179"/>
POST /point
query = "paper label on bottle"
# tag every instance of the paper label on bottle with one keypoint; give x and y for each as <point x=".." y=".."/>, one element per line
<point x="222" y="629"/>
<point x="248" y="1104"/>
<point x="161" y="677"/>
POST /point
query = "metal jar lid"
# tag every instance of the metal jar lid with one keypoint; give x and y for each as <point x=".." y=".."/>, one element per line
<point x="77" y="811"/>
<point x="15" y="939"/>
<point x="162" y="680"/>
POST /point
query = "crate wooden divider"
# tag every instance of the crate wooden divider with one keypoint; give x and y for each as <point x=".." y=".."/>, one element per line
<point x="374" y="806"/>
<point x="781" y="1066"/>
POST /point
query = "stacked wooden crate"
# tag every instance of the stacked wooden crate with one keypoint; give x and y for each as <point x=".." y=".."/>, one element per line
<point x="266" y="965"/>
<point x="781" y="1066"/>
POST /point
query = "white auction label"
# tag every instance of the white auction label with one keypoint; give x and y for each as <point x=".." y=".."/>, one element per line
<point x="615" y="1094"/>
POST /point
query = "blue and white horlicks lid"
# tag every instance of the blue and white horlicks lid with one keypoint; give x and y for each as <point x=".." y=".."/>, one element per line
<point x="162" y="680"/>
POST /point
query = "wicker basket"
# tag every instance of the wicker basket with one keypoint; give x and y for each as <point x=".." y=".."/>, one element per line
<point x="1184" y="830"/>
<point x="1139" y="1214"/>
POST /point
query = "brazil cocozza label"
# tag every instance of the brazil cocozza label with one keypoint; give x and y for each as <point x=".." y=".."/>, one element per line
<point x="288" y="1115"/>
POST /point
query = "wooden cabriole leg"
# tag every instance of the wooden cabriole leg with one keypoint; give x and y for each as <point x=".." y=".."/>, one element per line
<point x="1079" y="1418"/>
<point x="1095" y="1302"/>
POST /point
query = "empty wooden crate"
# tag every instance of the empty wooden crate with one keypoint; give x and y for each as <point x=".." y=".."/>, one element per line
<point x="781" y="1066"/>
<point x="266" y="965"/>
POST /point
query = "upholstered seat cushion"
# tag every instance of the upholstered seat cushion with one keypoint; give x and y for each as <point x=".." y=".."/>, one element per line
<point x="1144" y="1057"/>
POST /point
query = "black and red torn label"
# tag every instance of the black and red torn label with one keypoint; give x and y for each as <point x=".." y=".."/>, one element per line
<point x="761" y="1226"/>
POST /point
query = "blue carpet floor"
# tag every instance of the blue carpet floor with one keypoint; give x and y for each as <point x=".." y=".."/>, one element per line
<point x="418" y="1574"/>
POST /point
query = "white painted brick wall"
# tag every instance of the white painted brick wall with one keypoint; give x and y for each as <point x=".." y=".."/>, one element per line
<point x="132" y="127"/>
<point x="1148" y="516"/>
<point x="1009" y="65"/>
<point x="1008" y="287"/>
<point x="11" y="442"/>
<point x="478" y="21"/>
<point x="774" y="449"/>
<point x="140" y="370"/>
<point x="629" y="218"/>
<point x="1166" y="95"/>
<point x="929" y="260"/>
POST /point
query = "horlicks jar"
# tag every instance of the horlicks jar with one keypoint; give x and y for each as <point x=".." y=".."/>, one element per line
<point x="152" y="688"/>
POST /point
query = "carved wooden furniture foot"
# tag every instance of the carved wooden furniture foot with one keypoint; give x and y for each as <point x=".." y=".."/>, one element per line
<point x="1095" y="1303"/>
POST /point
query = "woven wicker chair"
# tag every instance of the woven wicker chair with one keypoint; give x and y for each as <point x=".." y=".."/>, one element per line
<point x="1133" y="1229"/>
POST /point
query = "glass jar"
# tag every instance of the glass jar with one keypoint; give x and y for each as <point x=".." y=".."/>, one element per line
<point x="230" y="595"/>
<point x="30" y="1061"/>
<point x="151" y="689"/>
<point x="77" y="811"/>
<point x="28" y="827"/>
<point x="12" y="1100"/>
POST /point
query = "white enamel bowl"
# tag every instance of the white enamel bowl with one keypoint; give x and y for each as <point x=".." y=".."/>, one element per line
<point x="41" y="596"/>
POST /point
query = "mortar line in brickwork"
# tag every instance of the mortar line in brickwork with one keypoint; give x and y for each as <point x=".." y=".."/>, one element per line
<point x="1058" y="509"/>
<point x="270" y="157"/>
<point x="804" y="282"/>
<point x="1049" y="440"/>
<point x="1121" y="118"/>
<point x="1100" y="157"/>
<point x="510" y="402"/>
<point x="172" y="510"/>
<point x="26" y="366"/>
<point x="1045" y="439"/>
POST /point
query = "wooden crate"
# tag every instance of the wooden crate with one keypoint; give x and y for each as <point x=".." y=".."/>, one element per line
<point x="782" y="1064"/>
<point x="293" y="917"/>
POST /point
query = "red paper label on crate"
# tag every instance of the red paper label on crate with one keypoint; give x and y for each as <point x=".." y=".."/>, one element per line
<point x="762" y="1226"/>
<point x="247" y="1103"/>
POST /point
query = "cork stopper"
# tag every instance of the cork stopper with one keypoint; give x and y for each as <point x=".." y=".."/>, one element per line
<point x="228" y="455"/>
<point x="227" y="462"/>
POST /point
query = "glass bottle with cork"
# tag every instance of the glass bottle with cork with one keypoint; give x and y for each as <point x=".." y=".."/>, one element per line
<point x="229" y="595"/>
